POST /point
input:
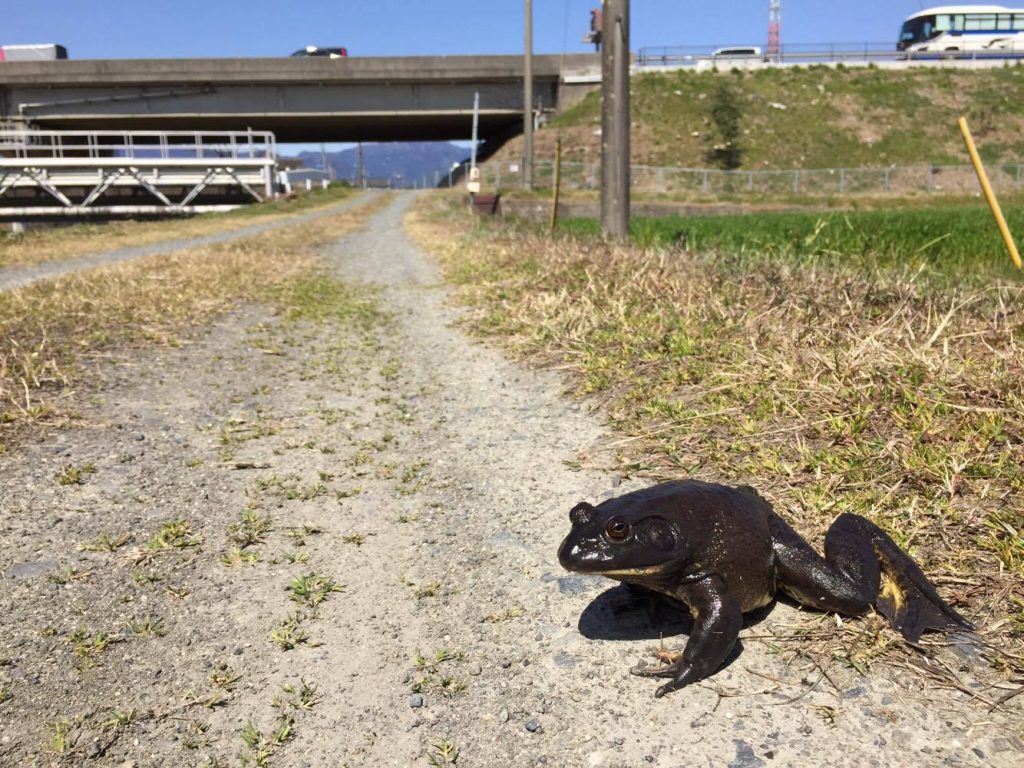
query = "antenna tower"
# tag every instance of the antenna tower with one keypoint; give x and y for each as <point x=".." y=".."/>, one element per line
<point x="774" y="29"/>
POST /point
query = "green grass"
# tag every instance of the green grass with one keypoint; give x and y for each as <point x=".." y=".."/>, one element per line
<point x="313" y="588"/>
<point x="833" y="118"/>
<point x="955" y="242"/>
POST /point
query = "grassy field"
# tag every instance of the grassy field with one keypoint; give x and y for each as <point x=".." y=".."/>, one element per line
<point x="831" y="389"/>
<point x="58" y="243"/>
<point x="53" y="327"/>
<point x="952" y="242"/>
<point x="808" y="117"/>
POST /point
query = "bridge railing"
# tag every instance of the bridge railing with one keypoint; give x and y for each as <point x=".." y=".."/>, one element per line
<point x="141" y="145"/>
<point x="57" y="174"/>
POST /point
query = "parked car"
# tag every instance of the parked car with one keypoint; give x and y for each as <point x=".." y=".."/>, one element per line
<point x="317" y="50"/>
<point x="740" y="52"/>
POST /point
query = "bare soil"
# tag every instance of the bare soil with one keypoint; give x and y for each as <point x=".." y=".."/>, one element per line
<point x="427" y="480"/>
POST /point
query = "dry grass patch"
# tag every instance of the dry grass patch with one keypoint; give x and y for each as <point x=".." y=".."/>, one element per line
<point x="831" y="391"/>
<point x="52" y="327"/>
<point x="36" y="246"/>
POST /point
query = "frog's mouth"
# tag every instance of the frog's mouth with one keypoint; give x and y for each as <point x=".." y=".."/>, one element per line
<point x="622" y="573"/>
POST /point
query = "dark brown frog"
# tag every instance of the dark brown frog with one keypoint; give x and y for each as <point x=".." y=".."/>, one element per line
<point x="723" y="551"/>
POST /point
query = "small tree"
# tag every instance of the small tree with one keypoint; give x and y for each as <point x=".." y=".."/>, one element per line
<point x="725" y="150"/>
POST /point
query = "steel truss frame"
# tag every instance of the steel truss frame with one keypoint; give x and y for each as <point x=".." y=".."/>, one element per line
<point x="77" y="168"/>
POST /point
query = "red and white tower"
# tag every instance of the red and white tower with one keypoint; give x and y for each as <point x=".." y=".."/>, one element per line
<point x="774" y="29"/>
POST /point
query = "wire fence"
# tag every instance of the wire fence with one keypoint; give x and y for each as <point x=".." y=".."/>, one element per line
<point x="895" y="180"/>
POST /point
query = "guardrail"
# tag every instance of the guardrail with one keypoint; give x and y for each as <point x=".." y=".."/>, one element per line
<point x="802" y="53"/>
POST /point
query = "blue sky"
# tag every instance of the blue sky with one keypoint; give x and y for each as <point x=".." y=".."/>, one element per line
<point x="196" y="28"/>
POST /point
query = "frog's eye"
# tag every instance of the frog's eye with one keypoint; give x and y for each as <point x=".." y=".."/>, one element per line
<point x="617" y="529"/>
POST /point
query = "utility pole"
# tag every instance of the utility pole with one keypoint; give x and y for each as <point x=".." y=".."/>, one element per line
<point x="361" y="170"/>
<point x="528" y="98"/>
<point x="615" y="120"/>
<point x="476" y="123"/>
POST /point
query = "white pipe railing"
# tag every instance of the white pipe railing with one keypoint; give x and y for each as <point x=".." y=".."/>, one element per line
<point x="143" y="145"/>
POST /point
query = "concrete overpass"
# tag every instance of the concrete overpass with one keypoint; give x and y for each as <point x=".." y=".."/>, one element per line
<point x="299" y="99"/>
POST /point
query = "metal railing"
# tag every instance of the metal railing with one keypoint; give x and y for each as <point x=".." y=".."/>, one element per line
<point x="801" y="53"/>
<point x="93" y="173"/>
<point x="901" y="180"/>
<point x="142" y="145"/>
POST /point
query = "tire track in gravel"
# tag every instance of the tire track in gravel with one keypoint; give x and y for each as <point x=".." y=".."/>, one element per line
<point x="20" y="276"/>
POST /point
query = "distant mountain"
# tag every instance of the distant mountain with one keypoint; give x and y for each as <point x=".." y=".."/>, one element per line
<point x="407" y="164"/>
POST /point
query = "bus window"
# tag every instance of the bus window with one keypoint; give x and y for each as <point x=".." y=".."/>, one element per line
<point x="1018" y="22"/>
<point x="943" y="23"/>
<point x="977" y="22"/>
<point x="1004" y="22"/>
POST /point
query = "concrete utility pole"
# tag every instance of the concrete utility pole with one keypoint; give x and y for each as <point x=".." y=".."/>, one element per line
<point x="360" y="169"/>
<point x="615" y="120"/>
<point x="528" y="98"/>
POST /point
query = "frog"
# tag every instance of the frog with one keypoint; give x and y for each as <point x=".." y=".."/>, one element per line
<point x="723" y="551"/>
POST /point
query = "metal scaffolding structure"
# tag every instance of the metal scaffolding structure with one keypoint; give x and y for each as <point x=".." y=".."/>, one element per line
<point x="774" y="30"/>
<point x="59" y="174"/>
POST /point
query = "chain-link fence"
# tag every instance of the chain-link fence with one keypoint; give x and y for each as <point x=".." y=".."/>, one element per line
<point x="897" y="180"/>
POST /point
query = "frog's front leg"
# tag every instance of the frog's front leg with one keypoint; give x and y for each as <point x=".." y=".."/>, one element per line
<point x="717" y="619"/>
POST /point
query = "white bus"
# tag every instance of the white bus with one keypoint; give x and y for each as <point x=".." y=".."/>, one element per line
<point x="986" y="30"/>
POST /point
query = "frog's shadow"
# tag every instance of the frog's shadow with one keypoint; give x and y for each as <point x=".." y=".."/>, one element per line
<point x="631" y="613"/>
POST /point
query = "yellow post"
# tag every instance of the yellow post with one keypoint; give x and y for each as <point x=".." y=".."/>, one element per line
<point x="558" y="182"/>
<point x="990" y="196"/>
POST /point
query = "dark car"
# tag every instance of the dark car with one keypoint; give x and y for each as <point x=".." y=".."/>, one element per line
<point x="316" y="50"/>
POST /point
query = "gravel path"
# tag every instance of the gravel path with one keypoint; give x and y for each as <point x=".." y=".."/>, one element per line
<point x="17" y="277"/>
<point x="431" y="477"/>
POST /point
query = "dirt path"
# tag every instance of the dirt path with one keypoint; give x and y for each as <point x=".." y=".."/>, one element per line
<point x="432" y="478"/>
<point x="16" y="277"/>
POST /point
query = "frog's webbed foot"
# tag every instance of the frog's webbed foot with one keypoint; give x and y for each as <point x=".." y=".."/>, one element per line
<point x="682" y="674"/>
<point x="907" y="599"/>
<point x="654" y="670"/>
<point x="862" y="568"/>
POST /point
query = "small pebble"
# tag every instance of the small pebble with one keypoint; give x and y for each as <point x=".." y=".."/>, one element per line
<point x="416" y="700"/>
<point x="475" y="670"/>
<point x="503" y="716"/>
<point x="533" y="726"/>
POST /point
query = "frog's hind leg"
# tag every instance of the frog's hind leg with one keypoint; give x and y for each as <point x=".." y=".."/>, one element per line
<point x="862" y="568"/>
